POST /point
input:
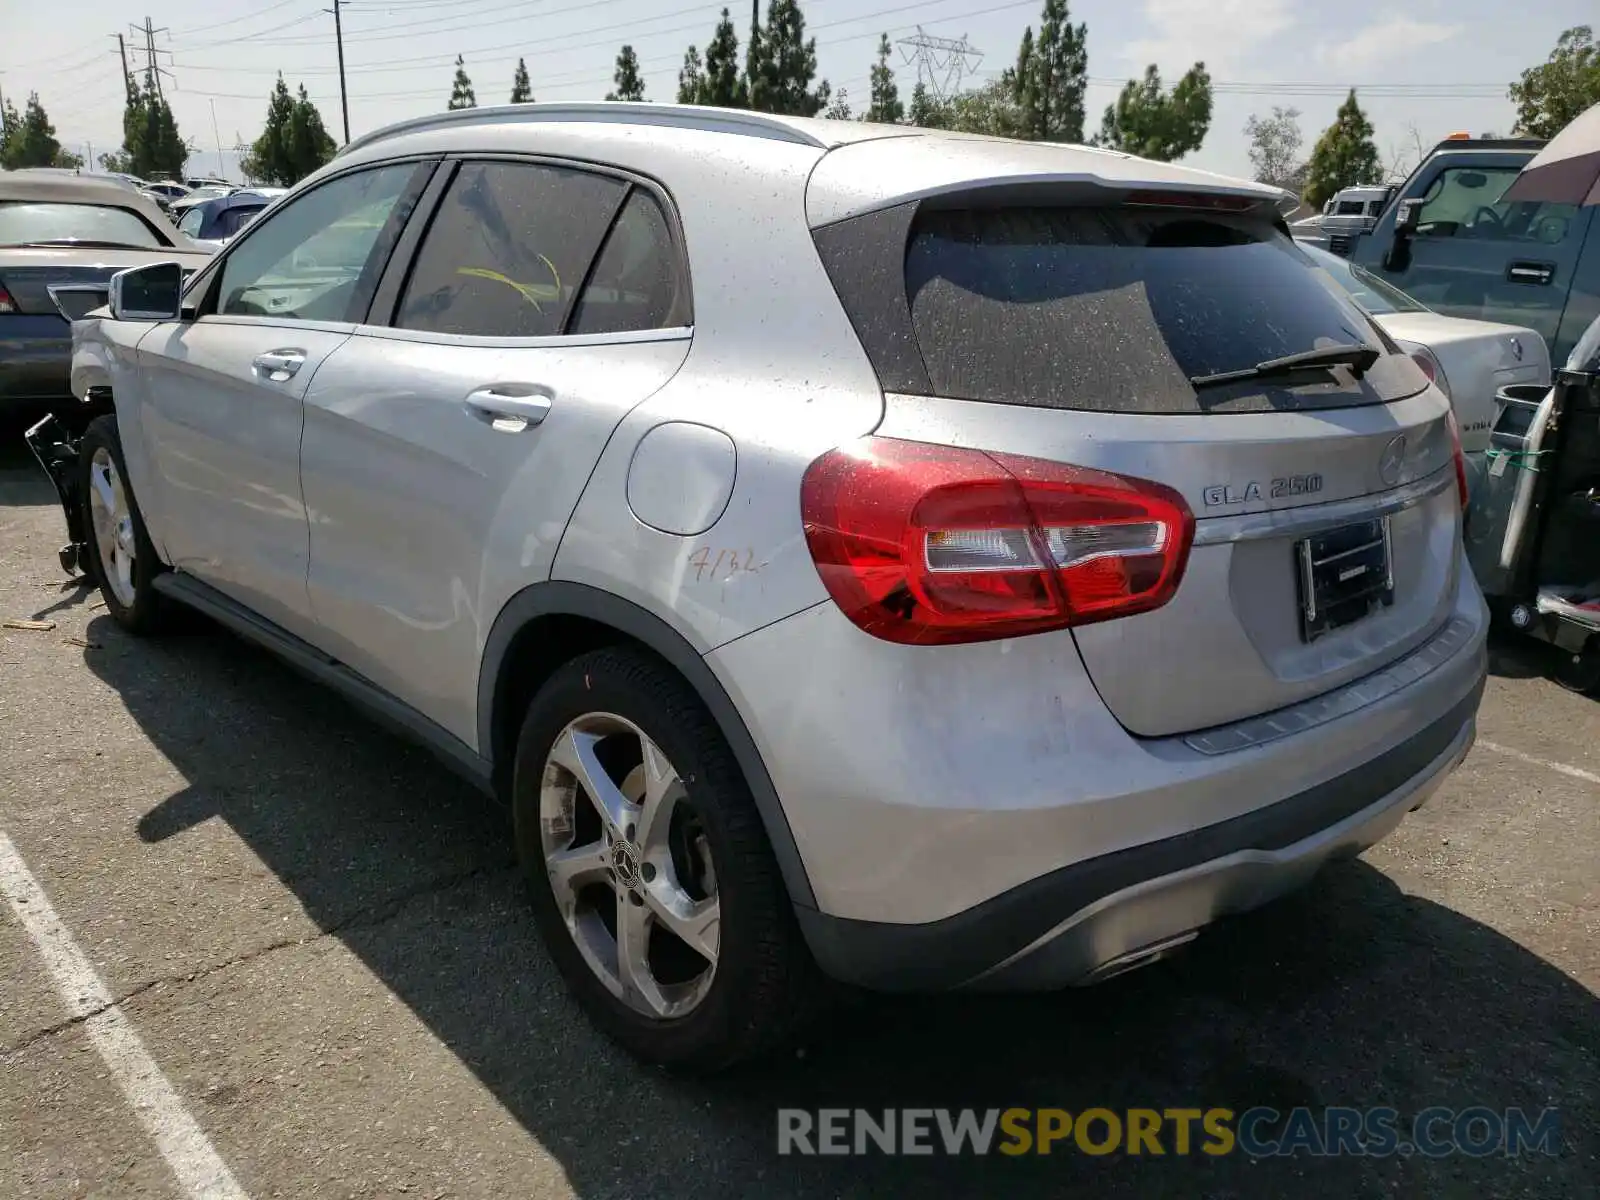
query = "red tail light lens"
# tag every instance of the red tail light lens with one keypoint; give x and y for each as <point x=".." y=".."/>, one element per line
<point x="7" y="304"/>
<point x="927" y="544"/>
<point x="1460" y="458"/>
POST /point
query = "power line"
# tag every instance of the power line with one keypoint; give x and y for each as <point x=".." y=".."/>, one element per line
<point x="235" y="20"/>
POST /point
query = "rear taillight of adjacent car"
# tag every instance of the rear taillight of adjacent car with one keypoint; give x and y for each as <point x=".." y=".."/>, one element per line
<point x="929" y="544"/>
<point x="1459" y="457"/>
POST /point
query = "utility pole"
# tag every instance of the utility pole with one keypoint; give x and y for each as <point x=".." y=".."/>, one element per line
<point x="214" y="133"/>
<point x="122" y="48"/>
<point x="344" y="97"/>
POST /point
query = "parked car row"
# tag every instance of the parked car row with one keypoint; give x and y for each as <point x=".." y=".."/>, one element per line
<point x="849" y="551"/>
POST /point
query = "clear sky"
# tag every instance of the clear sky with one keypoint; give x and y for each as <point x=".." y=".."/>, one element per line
<point x="1437" y="65"/>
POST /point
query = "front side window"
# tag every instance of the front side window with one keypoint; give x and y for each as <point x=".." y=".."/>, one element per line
<point x="1465" y="202"/>
<point x="25" y="222"/>
<point x="312" y="259"/>
<point x="508" y="250"/>
<point x="193" y="221"/>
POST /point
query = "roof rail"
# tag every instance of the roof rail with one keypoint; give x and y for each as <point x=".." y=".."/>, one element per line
<point x="672" y="116"/>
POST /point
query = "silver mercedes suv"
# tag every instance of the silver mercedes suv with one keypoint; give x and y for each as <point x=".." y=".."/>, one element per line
<point x="920" y="560"/>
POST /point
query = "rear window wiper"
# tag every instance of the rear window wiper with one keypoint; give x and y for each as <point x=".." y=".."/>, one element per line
<point x="1357" y="356"/>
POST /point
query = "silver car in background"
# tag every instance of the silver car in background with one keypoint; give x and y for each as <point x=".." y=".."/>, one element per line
<point x="924" y="560"/>
<point x="1468" y="360"/>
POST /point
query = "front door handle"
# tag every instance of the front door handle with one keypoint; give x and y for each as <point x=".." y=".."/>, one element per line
<point x="279" y="366"/>
<point x="1531" y="272"/>
<point x="510" y="408"/>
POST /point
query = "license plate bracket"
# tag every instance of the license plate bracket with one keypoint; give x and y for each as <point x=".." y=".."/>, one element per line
<point x="1343" y="575"/>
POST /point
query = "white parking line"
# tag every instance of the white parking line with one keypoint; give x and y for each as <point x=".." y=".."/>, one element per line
<point x="1559" y="768"/>
<point x="201" y="1172"/>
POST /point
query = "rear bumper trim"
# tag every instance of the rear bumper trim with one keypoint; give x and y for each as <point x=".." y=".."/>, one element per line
<point x="960" y="949"/>
<point x="1314" y="518"/>
<point x="1341" y="702"/>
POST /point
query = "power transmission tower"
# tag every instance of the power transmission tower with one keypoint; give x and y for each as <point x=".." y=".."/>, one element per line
<point x="153" y="69"/>
<point x="941" y="63"/>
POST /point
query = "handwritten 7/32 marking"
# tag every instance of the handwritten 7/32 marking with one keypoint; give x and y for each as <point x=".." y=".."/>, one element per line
<point x="725" y="565"/>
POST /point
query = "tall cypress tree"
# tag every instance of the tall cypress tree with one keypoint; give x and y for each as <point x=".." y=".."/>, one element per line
<point x="1052" y="76"/>
<point x="630" y="86"/>
<point x="461" y="93"/>
<point x="1345" y="155"/>
<point x="783" y="65"/>
<point x="724" y="87"/>
<point x="886" y="106"/>
<point x="521" y="88"/>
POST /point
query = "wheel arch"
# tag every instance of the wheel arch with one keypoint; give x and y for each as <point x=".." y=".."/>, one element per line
<point x="546" y="625"/>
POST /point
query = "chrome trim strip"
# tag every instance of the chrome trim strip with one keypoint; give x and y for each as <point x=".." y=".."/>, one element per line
<point x="1300" y="522"/>
<point x="1308" y="714"/>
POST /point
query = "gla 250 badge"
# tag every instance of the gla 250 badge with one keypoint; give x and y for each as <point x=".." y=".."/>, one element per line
<point x="1276" y="489"/>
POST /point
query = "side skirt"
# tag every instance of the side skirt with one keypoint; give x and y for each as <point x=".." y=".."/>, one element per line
<point x="306" y="658"/>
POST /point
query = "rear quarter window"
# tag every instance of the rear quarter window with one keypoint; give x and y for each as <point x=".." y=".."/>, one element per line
<point x="1116" y="309"/>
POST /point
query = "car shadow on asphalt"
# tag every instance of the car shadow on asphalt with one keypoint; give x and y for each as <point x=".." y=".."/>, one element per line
<point x="1350" y="992"/>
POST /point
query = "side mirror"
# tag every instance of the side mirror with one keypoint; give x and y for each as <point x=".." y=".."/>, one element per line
<point x="1408" y="217"/>
<point x="152" y="293"/>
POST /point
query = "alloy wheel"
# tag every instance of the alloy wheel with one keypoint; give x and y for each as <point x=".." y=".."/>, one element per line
<point x="113" y="526"/>
<point x="629" y="863"/>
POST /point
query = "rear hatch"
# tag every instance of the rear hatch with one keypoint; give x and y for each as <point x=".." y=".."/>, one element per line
<point x="1325" y="496"/>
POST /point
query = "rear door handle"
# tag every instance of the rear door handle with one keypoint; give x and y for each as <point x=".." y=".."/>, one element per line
<point x="510" y="407"/>
<point x="279" y="366"/>
<point x="1531" y="272"/>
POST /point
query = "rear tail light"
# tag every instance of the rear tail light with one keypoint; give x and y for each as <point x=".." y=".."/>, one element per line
<point x="928" y="544"/>
<point x="7" y="304"/>
<point x="1424" y="359"/>
<point x="1460" y="458"/>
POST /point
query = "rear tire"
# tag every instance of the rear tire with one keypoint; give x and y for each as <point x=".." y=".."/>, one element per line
<point x="1579" y="671"/>
<point x="118" y="553"/>
<point x="691" y="858"/>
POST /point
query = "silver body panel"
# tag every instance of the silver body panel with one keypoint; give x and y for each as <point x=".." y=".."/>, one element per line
<point x="366" y="509"/>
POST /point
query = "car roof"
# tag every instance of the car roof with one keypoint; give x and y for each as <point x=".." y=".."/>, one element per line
<point x="80" y="189"/>
<point x="864" y="165"/>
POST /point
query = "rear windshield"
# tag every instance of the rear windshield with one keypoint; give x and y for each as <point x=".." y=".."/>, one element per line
<point x="22" y="222"/>
<point x="1118" y="308"/>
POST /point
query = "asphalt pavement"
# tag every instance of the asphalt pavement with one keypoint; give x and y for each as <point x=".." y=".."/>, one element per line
<point x="317" y="958"/>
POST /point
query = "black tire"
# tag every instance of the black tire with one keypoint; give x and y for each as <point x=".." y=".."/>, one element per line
<point x="765" y="987"/>
<point x="1579" y="671"/>
<point x="148" y="610"/>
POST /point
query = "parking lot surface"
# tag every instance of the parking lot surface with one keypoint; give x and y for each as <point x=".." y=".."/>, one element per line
<point x="316" y="938"/>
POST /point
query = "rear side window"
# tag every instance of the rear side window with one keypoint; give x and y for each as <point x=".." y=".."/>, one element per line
<point x="636" y="283"/>
<point x="1116" y="309"/>
<point x="508" y="249"/>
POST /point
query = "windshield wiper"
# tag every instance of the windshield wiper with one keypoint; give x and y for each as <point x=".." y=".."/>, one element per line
<point x="70" y="242"/>
<point x="1357" y="356"/>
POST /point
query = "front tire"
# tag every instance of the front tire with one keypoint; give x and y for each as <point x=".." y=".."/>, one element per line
<point x="119" y="555"/>
<point x="653" y="883"/>
<point x="1579" y="671"/>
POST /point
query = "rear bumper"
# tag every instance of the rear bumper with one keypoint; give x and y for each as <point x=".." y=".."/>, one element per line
<point x="972" y="815"/>
<point x="35" y="358"/>
<point x="1124" y="909"/>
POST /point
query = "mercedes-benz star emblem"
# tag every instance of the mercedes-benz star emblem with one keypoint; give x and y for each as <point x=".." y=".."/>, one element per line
<point x="625" y="861"/>
<point x="1393" y="461"/>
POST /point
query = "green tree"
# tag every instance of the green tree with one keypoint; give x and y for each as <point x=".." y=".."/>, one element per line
<point x="28" y="140"/>
<point x="521" y="88"/>
<point x="723" y="86"/>
<point x="839" y="107"/>
<point x="1275" y="143"/>
<point x="691" y="77"/>
<point x="119" y="161"/>
<point x="1345" y="155"/>
<point x="885" y="107"/>
<point x="69" y="160"/>
<point x="630" y="86"/>
<point x="783" y="65"/>
<point x="925" y="110"/>
<point x="991" y="109"/>
<point x="1549" y="96"/>
<point x="293" y="141"/>
<point x="150" y="137"/>
<point x="1051" y="77"/>
<point x="1154" y="123"/>
<point x="461" y="93"/>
